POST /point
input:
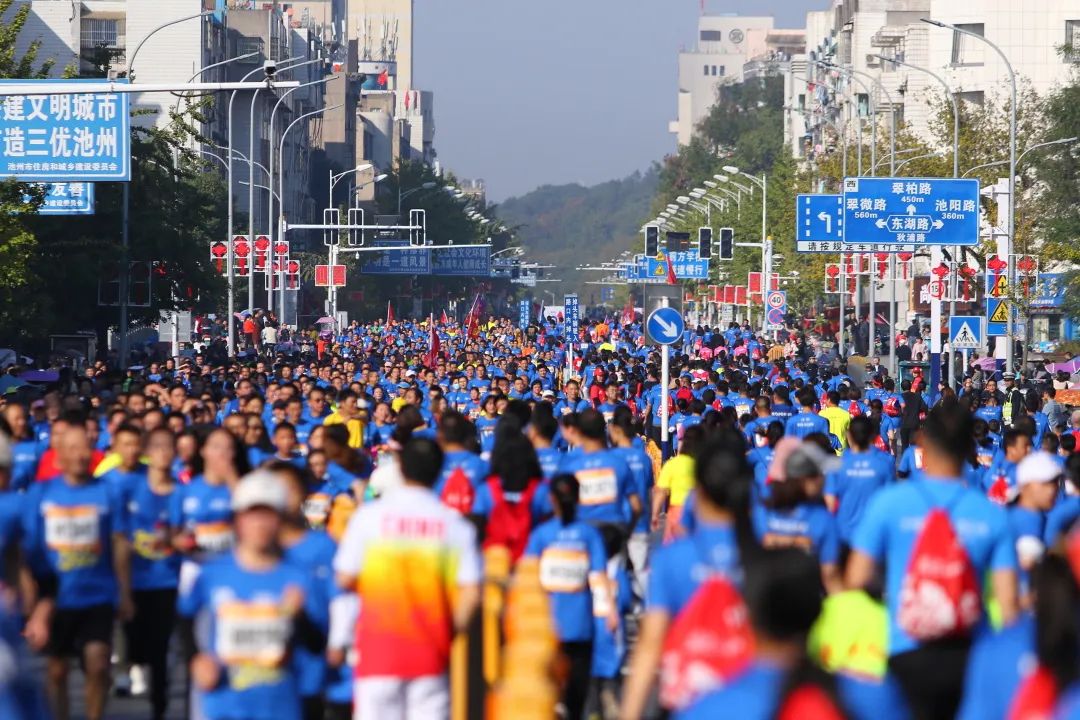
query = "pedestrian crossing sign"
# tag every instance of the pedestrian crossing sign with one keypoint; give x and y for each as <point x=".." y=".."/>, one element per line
<point x="965" y="332"/>
<point x="1000" y="313"/>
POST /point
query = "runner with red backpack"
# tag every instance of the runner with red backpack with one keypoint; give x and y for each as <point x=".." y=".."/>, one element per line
<point x="512" y="497"/>
<point x="937" y="540"/>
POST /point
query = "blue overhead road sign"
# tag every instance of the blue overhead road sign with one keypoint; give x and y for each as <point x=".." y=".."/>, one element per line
<point x="66" y="137"/>
<point x="819" y="218"/>
<point x="666" y="325"/>
<point x="919" y="211"/>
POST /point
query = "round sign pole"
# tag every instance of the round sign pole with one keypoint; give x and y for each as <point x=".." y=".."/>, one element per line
<point x="665" y="381"/>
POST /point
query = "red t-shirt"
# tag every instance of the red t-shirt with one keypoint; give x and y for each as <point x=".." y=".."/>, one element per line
<point x="47" y="469"/>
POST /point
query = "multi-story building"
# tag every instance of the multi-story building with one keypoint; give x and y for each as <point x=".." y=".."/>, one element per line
<point x="853" y="33"/>
<point x="724" y="45"/>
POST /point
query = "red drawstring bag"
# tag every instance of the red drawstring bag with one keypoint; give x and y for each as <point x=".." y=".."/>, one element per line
<point x="940" y="595"/>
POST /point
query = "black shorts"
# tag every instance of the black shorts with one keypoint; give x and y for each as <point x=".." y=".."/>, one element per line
<point x="71" y="629"/>
<point x="932" y="677"/>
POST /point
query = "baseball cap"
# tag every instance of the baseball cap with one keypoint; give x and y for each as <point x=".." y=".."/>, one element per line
<point x="809" y="460"/>
<point x="1038" y="467"/>
<point x="261" y="488"/>
<point x="548" y="394"/>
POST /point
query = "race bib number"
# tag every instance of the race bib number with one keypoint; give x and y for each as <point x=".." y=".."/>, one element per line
<point x="214" y="537"/>
<point x="73" y="529"/>
<point x="251" y="633"/>
<point x="563" y="570"/>
<point x="599" y="486"/>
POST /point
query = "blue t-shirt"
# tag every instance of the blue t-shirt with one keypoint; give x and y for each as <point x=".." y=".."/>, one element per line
<point x="315" y="553"/>
<point x="24" y="461"/>
<point x="204" y="510"/>
<point x="549" y="458"/>
<point x="68" y="533"/>
<point x="678" y="569"/>
<point x="154" y="564"/>
<point x="568" y="554"/>
<point x="1060" y="518"/>
<point x="892" y="523"/>
<point x="606" y="485"/>
<point x="125" y="480"/>
<point x="997" y="665"/>
<point x="805" y="423"/>
<point x="472" y="465"/>
<point x="485" y="429"/>
<point x="250" y="637"/>
<point x="641" y="468"/>
<point x="755" y="693"/>
<point x="809" y="526"/>
<point x="861" y="474"/>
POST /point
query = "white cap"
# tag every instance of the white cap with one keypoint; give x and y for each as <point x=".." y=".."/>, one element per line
<point x="260" y="488"/>
<point x="1038" y="467"/>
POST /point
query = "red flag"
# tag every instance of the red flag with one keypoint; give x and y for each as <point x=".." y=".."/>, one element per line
<point x="671" y="279"/>
<point x="434" y="346"/>
<point x="389" y="313"/>
<point x="444" y="320"/>
<point x="408" y="99"/>
<point x="384" y="78"/>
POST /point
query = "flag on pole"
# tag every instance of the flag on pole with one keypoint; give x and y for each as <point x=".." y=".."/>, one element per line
<point x="444" y="320"/>
<point x="389" y="313"/>
<point x="434" y="346"/>
<point x="472" y="319"/>
<point x="671" y="279"/>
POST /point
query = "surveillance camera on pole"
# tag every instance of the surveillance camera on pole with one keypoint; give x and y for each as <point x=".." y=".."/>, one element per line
<point x="269" y="69"/>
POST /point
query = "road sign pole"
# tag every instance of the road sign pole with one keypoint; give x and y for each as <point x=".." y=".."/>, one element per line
<point x="843" y="291"/>
<point x="871" y="348"/>
<point x="935" y="332"/>
<point x="892" y="314"/>
<point x="665" y="381"/>
<point x="125" y="270"/>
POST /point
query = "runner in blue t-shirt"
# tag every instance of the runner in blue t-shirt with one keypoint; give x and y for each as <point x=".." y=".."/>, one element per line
<point x="573" y="572"/>
<point x="259" y="609"/>
<point x="887" y="535"/>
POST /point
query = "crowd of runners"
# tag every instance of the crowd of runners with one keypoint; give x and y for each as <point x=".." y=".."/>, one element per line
<point x="301" y="533"/>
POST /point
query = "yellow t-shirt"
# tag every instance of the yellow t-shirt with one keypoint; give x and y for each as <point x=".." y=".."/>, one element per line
<point x="355" y="427"/>
<point x="839" y="420"/>
<point x="851" y="635"/>
<point x="677" y="477"/>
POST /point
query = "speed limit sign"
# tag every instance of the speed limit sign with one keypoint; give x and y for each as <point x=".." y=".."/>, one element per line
<point x="935" y="289"/>
<point x="777" y="299"/>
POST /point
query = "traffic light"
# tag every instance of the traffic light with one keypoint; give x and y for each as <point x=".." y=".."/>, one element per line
<point x="727" y="243"/>
<point x="418" y="228"/>
<point x="704" y="243"/>
<point x="356" y="217"/>
<point x="331" y="216"/>
<point x="652" y="241"/>
<point x="678" y="241"/>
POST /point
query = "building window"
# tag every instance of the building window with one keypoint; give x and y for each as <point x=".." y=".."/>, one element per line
<point x="98" y="32"/>
<point x="1072" y="41"/>
<point x="721" y="70"/>
<point x="706" y="71"/>
<point x="714" y="70"/>
<point x="712" y="35"/>
<point x="862" y="102"/>
<point x="975" y="97"/>
<point x="245" y="45"/>
<point x="802" y="101"/>
<point x="967" y="50"/>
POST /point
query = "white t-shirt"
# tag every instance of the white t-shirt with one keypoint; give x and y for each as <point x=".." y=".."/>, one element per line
<point x="269" y="334"/>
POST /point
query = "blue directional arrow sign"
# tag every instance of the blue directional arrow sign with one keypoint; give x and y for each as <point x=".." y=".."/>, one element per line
<point x="666" y="325"/>
<point x="820" y="218"/>
<point x="919" y="211"/>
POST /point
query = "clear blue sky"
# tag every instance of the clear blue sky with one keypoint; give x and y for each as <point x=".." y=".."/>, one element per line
<point x="536" y="92"/>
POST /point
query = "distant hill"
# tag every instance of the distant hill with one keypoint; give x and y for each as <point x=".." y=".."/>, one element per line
<point x="571" y="225"/>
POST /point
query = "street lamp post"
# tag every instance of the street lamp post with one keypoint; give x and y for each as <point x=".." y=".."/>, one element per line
<point x="1006" y="249"/>
<point x="766" y="241"/>
<point x="281" y="187"/>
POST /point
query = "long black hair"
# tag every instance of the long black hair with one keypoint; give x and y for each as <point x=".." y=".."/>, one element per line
<point x="783" y="594"/>
<point x="514" y="461"/>
<point x="1057" y="619"/>
<point x="725" y="478"/>
<point x="565" y="492"/>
